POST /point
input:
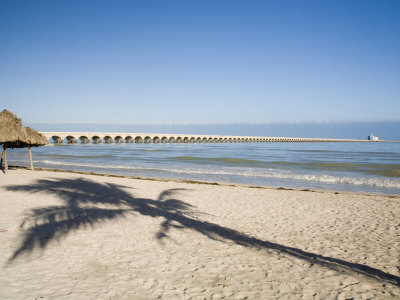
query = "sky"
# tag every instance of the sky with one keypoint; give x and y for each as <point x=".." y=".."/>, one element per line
<point x="200" y="62"/>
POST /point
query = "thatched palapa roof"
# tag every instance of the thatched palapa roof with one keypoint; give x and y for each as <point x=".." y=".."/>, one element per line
<point x="35" y="139"/>
<point x="12" y="133"/>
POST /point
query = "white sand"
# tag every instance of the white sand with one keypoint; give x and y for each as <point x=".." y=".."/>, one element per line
<point x="74" y="236"/>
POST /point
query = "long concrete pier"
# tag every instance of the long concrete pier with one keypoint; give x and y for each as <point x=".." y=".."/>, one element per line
<point x="113" y="137"/>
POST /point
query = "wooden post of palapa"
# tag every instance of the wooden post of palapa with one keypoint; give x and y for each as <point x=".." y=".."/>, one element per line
<point x="5" y="159"/>
<point x="30" y="157"/>
<point x="1" y="159"/>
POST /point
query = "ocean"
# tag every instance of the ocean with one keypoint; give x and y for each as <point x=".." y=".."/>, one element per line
<point x="355" y="167"/>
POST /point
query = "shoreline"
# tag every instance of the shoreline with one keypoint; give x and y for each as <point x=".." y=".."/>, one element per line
<point x="218" y="183"/>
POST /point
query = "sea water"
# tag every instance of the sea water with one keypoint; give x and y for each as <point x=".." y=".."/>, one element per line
<point x="357" y="167"/>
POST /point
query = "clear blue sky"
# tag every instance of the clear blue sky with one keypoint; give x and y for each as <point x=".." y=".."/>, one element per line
<point x="200" y="61"/>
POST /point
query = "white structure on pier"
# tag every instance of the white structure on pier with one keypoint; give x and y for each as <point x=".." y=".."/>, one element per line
<point x="373" y="138"/>
<point x="113" y="137"/>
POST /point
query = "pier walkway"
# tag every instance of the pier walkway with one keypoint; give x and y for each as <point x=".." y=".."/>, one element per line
<point x="112" y="137"/>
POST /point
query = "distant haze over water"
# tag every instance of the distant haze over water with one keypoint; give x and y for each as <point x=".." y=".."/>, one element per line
<point x="389" y="130"/>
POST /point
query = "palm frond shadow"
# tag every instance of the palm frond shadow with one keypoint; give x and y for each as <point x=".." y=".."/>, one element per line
<point x="82" y="197"/>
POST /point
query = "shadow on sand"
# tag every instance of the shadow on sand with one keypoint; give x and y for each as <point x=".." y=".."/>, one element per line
<point x="81" y="199"/>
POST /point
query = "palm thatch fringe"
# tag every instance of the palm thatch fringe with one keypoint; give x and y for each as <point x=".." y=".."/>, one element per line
<point x="35" y="139"/>
<point x="12" y="133"/>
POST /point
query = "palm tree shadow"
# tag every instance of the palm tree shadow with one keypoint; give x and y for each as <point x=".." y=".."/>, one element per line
<point x="85" y="203"/>
<point x="88" y="203"/>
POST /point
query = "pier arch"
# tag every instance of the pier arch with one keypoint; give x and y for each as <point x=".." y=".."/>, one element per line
<point x="108" y="139"/>
<point x="56" y="139"/>
<point x="138" y="140"/>
<point x="84" y="139"/>
<point x="71" y="140"/>
<point x="96" y="139"/>
<point x="118" y="139"/>
<point x="128" y="139"/>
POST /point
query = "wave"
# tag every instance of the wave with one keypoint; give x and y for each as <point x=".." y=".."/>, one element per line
<point x="386" y="173"/>
<point x="347" y="180"/>
<point x="314" y="151"/>
<point x="366" y="153"/>
<point x="386" y="170"/>
<point x="56" y="156"/>
<point x="226" y="173"/>
<point x="155" y="150"/>
<point x="336" y="165"/>
<point x="227" y="160"/>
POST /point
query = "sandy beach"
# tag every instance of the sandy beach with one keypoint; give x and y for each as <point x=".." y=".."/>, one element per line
<point x="79" y="236"/>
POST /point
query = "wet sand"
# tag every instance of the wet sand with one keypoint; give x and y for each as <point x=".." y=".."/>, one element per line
<point x="80" y="236"/>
